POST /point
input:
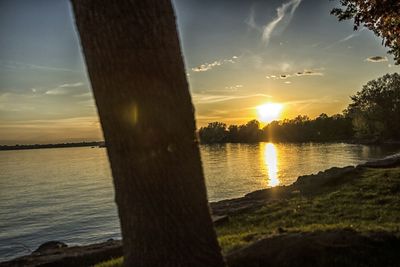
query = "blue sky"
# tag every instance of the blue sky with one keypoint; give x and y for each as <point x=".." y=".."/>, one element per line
<point x="238" y="55"/>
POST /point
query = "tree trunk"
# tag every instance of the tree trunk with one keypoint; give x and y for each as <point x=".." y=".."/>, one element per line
<point x="137" y="74"/>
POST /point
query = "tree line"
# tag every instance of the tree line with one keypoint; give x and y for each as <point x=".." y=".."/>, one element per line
<point x="60" y="145"/>
<point x="324" y="128"/>
<point x="372" y="116"/>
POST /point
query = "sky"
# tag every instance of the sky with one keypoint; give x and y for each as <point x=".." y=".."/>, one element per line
<point x="239" y="54"/>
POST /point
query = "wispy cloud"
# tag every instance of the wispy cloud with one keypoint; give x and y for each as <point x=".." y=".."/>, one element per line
<point x="284" y="13"/>
<point x="250" y="21"/>
<point x="234" y="87"/>
<point x="64" y="89"/>
<point x="325" y="99"/>
<point x="85" y="95"/>
<point x="209" y="98"/>
<point x="57" y="91"/>
<point x="345" y="39"/>
<point x="377" y="59"/>
<point x="66" y="85"/>
<point x="209" y="66"/>
<point x="284" y="76"/>
<point x="26" y="66"/>
<point x="351" y="36"/>
<point x="231" y="88"/>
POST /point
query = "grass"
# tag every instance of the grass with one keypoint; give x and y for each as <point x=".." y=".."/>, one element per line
<point x="111" y="263"/>
<point x="368" y="202"/>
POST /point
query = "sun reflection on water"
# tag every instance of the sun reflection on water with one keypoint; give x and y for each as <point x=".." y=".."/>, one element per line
<point x="271" y="163"/>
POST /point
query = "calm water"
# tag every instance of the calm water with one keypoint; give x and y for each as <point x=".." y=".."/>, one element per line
<point x="66" y="194"/>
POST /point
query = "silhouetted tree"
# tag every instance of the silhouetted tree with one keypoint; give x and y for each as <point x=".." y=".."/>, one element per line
<point x="215" y="132"/>
<point x="380" y="16"/>
<point x="375" y="109"/>
<point x="250" y="132"/>
<point x="233" y="134"/>
<point x="139" y="83"/>
<point x="300" y="129"/>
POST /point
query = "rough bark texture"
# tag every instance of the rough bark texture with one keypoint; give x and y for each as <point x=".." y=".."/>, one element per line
<point x="137" y="74"/>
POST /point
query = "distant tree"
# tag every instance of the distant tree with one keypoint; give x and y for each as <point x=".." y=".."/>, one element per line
<point x="303" y="129"/>
<point x="233" y="131"/>
<point x="272" y="132"/>
<point x="301" y="119"/>
<point x="300" y="129"/>
<point x="375" y="109"/>
<point x="380" y="16"/>
<point x="341" y="127"/>
<point x="322" y="117"/>
<point x="215" y="132"/>
<point x="134" y="62"/>
<point x="250" y="132"/>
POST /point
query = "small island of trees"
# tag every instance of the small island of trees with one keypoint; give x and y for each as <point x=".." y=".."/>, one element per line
<point x="372" y="116"/>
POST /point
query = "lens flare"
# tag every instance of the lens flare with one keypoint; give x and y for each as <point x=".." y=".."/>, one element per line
<point x="269" y="112"/>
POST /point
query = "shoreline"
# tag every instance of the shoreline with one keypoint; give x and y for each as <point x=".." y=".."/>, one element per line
<point x="101" y="144"/>
<point x="47" y="146"/>
<point x="307" y="185"/>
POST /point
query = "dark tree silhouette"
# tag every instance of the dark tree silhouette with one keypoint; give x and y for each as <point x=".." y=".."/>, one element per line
<point x="375" y="109"/>
<point x="215" y="132"/>
<point x="300" y="129"/>
<point x="136" y="70"/>
<point x="380" y="16"/>
<point x="250" y="132"/>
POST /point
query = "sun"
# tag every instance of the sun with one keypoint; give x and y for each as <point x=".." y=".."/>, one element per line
<point x="269" y="112"/>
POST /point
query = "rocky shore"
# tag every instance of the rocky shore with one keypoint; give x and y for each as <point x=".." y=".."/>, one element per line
<point x="262" y="252"/>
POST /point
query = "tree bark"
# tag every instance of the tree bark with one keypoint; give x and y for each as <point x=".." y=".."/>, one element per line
<point x="134" y="62"/>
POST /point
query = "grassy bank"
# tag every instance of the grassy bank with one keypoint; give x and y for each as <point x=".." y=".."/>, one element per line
<point x="369" y="202"/>
<point x="366" y="200"/>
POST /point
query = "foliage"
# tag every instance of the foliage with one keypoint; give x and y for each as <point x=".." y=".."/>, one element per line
<point x="215" y="132"/>
<point x="117" y="262"/>
<point x="382" y="17"/>
<point x="375" y="109"/>
<point x="300" y="129"/>
<point x="250" y="132"/>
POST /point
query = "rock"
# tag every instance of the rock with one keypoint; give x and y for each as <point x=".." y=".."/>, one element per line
<point x="315" y="183"/>
<point x="69" y="256"/>
<point x="272" y="193"/>
<point x="219" y="220"/>
<point x="387" y="162"/>
<point x="337" y="248"/>
<point x="50" y="245"/>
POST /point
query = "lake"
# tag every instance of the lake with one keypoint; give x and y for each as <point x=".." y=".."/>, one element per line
<point x="66" y="194"/>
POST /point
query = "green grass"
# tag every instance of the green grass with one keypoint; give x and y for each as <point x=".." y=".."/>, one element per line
<point x="368" y="202"/>
<point x="111" y="263"/>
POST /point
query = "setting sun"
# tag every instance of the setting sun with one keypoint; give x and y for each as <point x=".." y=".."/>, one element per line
<point x="269" y="112"/>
